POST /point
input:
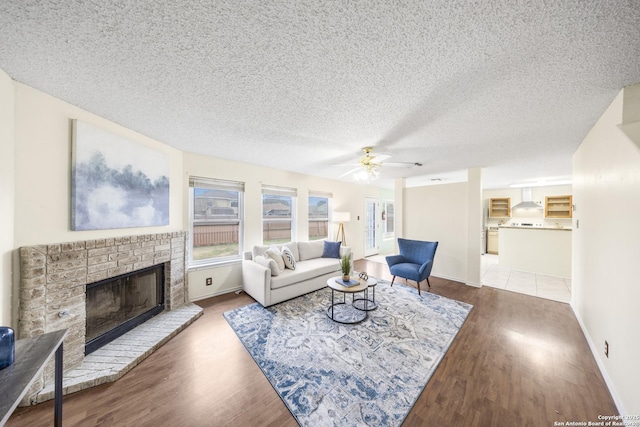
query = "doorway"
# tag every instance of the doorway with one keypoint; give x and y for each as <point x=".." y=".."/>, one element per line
<point x="371" y="227"/>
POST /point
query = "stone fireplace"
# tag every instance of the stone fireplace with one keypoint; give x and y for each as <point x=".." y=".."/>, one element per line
<point x="54" y="279"/>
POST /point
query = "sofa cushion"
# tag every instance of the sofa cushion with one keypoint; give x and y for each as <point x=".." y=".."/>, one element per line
<point x="331" y="249"/>
<point x="288" y="258"/>
<point x="259" y="250"/>
<point x="275" y="254"/>
<point x="293" y="247"/>
<point x="269" y="263"/>
<point x="304" y="271"/>
<point x="310" y="250"/>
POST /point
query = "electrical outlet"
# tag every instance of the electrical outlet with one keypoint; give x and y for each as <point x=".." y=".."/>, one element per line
<point x="606" y="348"/>
<point x="209" y="281"/>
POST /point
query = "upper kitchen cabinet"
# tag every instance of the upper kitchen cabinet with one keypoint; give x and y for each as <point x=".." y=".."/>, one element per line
<point x="558" y="207"/>
<point x="500" y="207"/>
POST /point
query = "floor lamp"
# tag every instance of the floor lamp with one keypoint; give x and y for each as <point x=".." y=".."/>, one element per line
<point x="341" y="218"/>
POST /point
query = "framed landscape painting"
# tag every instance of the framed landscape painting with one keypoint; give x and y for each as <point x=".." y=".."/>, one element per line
<point x="115" y="182"/>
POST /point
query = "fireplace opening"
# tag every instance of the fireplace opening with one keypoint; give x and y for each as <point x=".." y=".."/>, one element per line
<point x="117" y="305"/>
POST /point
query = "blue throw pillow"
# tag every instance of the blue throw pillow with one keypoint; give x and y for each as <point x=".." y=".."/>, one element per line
<point x="331" y="249"/>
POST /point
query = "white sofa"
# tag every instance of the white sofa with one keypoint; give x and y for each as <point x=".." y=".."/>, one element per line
<point x="311" y="273"/>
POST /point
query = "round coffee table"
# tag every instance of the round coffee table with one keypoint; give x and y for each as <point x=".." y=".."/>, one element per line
<point x="342" y="312"/>
<point x="366" y="303"/>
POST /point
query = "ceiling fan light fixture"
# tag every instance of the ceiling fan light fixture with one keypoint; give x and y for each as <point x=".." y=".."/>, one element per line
<point x="360" y="175"/>
<point x="370" y="166"/>
<point x="367" y="174"/>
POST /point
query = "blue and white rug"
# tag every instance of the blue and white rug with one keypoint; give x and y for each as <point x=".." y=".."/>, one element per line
<point x="371" y="373"/>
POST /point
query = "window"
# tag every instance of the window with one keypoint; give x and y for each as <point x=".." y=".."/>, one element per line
<point x="216" y="220"/>
<point x="388" y="218"/>
<point x="318" y="215"/>
<point x="278" y="208"/>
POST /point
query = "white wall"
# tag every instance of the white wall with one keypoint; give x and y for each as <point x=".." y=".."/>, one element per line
<point x="43" y="171"/>
<point x="474" y="227"/>
<point x="439" y="213"/>
<point x="535" y="250"/>
<point x="6" y="195"/>
<point x="606" y="246"/>
<point x="347" y="197"/>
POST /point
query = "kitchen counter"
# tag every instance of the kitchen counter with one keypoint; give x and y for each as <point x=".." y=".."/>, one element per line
<point x="544" y="251"/>
<point x="536" y="228"/>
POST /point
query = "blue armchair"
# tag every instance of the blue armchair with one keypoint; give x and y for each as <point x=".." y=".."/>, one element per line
<point x="414" y="262"/>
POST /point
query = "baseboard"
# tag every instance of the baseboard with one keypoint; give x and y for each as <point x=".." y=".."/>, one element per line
<point x="453" y="279"/>
<point x="215" y="294"/>
<point x="597" y="357"/>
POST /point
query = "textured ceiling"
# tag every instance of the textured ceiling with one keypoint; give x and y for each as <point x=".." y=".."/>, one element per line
<point x="512" y="87"/>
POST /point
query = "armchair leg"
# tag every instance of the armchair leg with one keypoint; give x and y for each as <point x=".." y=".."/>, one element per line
<point x="418" y="283"/>
<point x="428" y="282"/>
<point x="394" y="278"/>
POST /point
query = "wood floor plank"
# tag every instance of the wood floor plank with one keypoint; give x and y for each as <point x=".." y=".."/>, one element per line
<point x="517" y="361"/>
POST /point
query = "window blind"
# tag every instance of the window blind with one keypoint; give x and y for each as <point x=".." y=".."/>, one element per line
<point x="279" y="191"/>
<point x="216" y="184"/>
<point x="313" y="193"/>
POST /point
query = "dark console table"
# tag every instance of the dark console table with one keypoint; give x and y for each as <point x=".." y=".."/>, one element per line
<point x="31" y="355"/>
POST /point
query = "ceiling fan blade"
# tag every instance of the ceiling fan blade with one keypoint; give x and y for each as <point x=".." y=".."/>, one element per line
<point x="380" y="158"/>
<point x="347" y="164"/>
<point x="349" y="172"/>
<point x="400" y="164"/>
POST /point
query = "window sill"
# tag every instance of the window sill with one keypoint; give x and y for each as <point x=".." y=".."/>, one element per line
<point x="214" y="264"/>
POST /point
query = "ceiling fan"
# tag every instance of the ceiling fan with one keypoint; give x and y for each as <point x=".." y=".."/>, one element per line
<point x="369" y="166"/>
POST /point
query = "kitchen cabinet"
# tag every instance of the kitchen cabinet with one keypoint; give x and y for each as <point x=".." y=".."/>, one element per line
<point x="492" y="241"/>
<point x="500" y="207"/>
<point x="558" y="207"/>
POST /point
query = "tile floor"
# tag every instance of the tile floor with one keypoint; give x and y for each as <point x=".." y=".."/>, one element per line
<point x="549" y="287"/>
<point x="537" y="285"/>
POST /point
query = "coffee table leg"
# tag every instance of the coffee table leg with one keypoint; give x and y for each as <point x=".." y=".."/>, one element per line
<point x="332" y="291"/>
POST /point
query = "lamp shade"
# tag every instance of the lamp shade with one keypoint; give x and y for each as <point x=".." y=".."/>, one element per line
<point x="341" y="216"/>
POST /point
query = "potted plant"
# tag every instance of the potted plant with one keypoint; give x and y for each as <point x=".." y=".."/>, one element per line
<point x="345" y="266"/>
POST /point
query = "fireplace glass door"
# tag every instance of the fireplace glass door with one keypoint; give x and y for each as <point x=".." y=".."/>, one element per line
<point x="117" y="305"/>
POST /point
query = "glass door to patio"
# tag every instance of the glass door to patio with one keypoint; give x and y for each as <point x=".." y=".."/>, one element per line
<point x="371" y="227"/>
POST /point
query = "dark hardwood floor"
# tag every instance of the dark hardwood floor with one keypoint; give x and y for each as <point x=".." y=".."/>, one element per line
<point x="517" y="361"/>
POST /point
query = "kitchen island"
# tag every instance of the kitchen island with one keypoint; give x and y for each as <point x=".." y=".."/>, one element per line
<point x="540" y="250"/>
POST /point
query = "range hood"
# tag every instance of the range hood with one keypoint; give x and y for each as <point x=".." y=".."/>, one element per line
<point x="527" y="203"/>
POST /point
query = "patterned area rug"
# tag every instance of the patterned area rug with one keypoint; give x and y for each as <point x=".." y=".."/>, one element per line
<point x="370" y="373"/>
